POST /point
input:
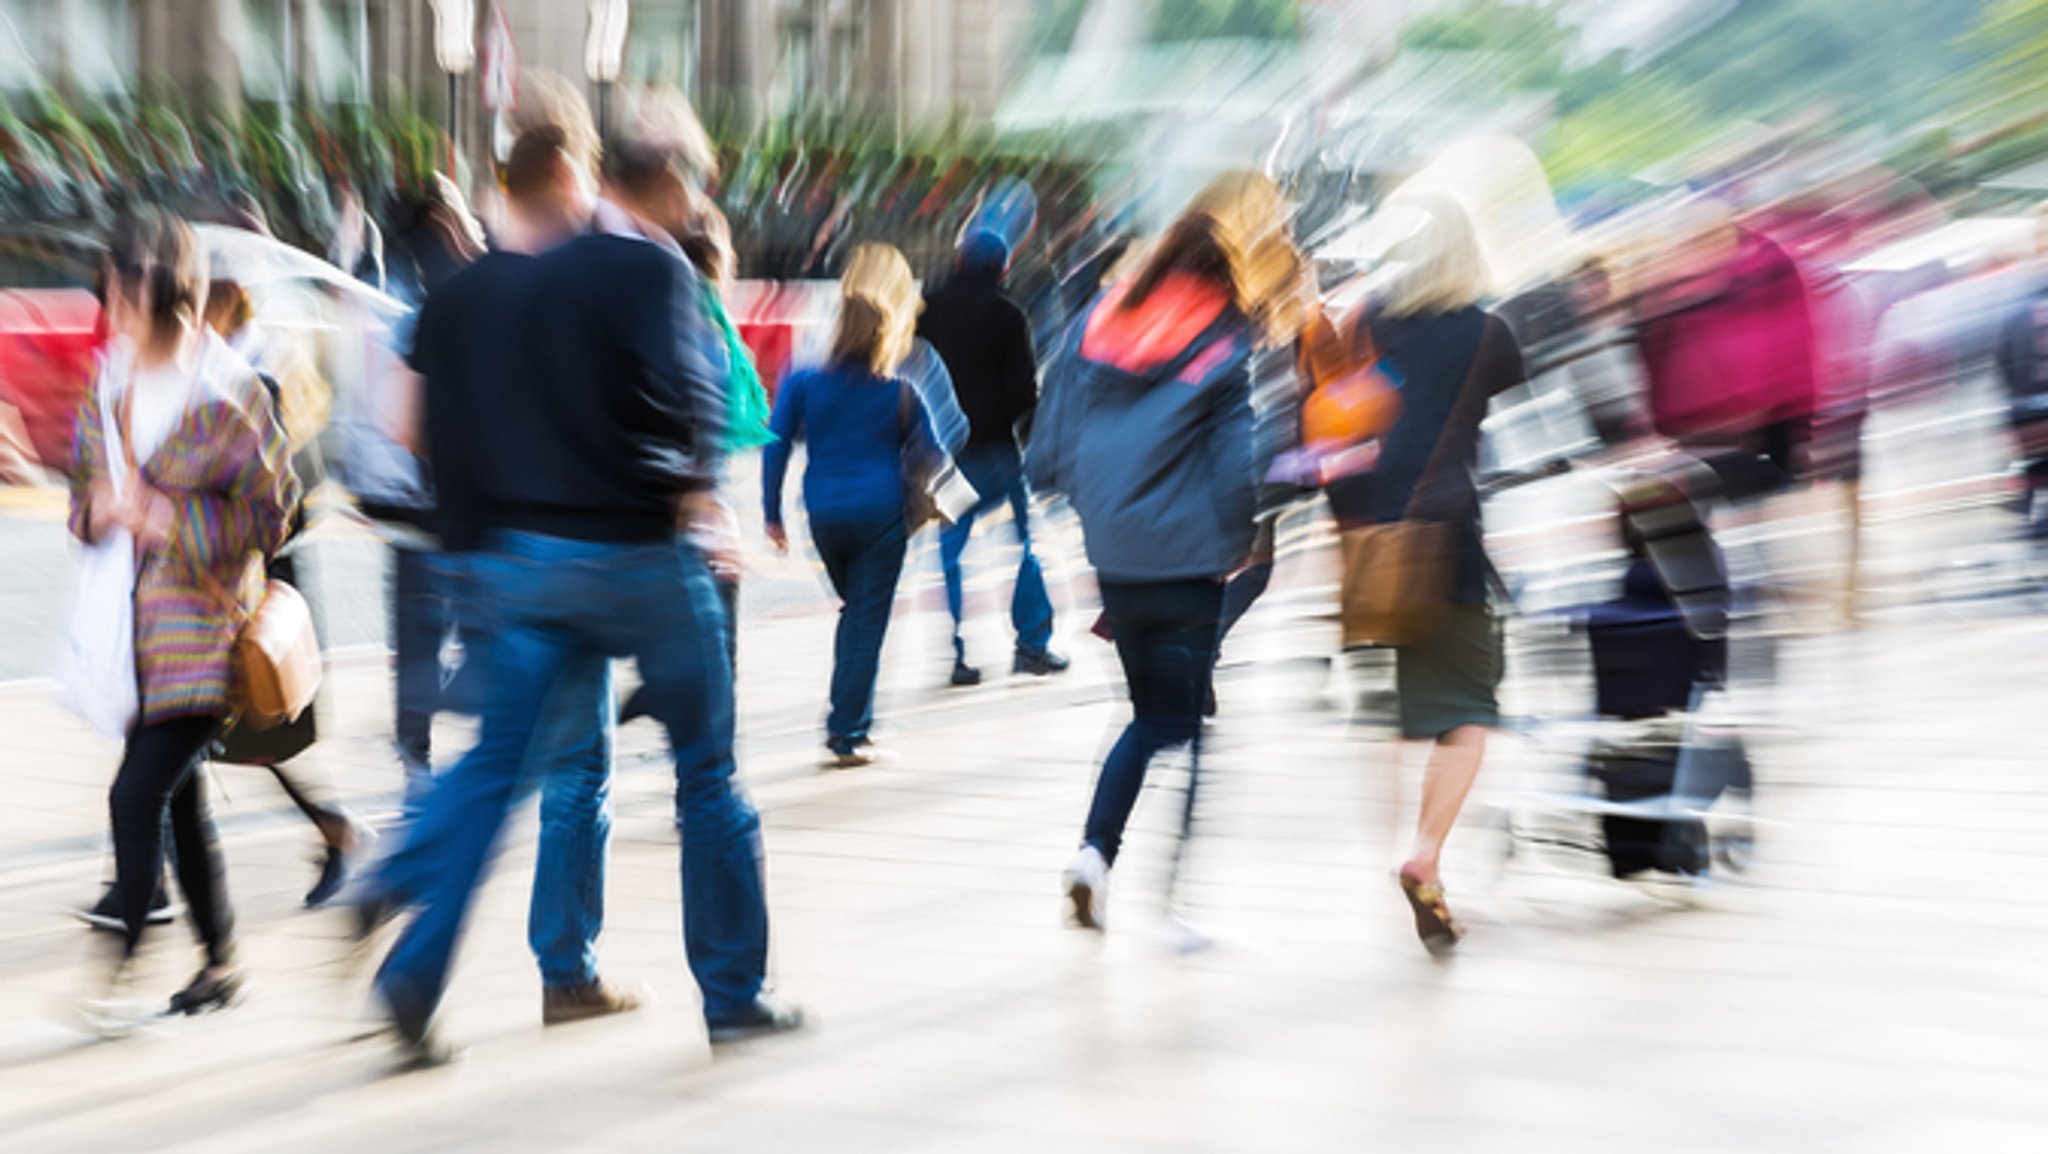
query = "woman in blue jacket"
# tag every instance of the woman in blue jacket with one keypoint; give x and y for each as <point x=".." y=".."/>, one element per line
<point x="1146" y="425"/>
<point x="857" y="417"/>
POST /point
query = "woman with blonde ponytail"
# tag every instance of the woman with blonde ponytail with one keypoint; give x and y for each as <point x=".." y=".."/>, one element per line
<point x="856" y="416"/>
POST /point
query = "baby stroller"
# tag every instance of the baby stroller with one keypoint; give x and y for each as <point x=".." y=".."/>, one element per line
<point x="1661" y="790"/>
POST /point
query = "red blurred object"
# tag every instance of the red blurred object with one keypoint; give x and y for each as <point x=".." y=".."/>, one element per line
<point x="771" y="342"/>
<point x="48" y="338"/>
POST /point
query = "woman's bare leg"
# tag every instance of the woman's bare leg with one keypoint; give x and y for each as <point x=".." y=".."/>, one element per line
<point x="1453" y="765"/>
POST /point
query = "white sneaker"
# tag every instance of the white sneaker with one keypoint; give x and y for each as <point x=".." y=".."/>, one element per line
<point x="1088" y="888"/>
<point x="110" y="1006"/>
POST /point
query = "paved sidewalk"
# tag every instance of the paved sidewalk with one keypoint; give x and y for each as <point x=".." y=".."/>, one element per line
<point x="1876" y="983"/>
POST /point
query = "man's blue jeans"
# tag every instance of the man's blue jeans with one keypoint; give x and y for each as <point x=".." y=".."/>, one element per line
<point x="997" y="474"/>
<point x="547" y="603"/>
<point x="864" y="559"/>
<point x="571" y="757"/>
<point x="572" y="754"/>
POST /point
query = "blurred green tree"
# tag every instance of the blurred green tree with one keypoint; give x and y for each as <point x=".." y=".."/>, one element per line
<point x="1174" y="20"/>
<point x="2010" y="40"/>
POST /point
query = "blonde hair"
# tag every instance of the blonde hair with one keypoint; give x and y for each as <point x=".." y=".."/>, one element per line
<point x="878" y="307"/>
<point x="1268" y="274"/>
<point x="1445" y="269"/>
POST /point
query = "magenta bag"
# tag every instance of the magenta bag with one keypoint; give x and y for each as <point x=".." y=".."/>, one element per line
<point x="1740" y="359"/>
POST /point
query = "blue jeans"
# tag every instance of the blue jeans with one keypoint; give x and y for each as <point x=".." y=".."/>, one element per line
<point x="1166" y="638"/>
<point x="997" y="474"/>
<point x="864" y="559"/>
<point x="571" y="757"/>
<point x="572" y="754"/>
<point x="546" y="604"/>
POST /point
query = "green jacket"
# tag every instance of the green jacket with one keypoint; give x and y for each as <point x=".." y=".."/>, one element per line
<point x="746" y="401"/>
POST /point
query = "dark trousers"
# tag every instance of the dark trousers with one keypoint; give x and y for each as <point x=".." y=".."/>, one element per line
<point x="1166" y="638"/>
<point x="864" y="559"/>
<point x="160" y="772"/>
<point x="2034" y="500"/>
<point x="422" y="617"/>
<point x="997" y="473"/>
<point x="1240" y="594"/>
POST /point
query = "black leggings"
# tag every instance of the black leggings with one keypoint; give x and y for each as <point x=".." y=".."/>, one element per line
<point x="304" y="788"/>
<point x="160" y="771"/>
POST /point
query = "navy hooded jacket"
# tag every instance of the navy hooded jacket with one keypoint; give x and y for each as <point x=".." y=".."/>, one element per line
<point x="1145" y="424"/>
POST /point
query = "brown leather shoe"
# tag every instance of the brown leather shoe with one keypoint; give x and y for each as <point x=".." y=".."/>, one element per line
<point x="597" y="999"/>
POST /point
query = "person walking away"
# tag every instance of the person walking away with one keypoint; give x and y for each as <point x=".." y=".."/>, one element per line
<point x="1452" y="357"/>
<point x="856" y="418"/>
<point x="566" y="454"/>
<point x="204" y="490"/>
<point x="985" y="341"/>
<point x="1147" y="427"/>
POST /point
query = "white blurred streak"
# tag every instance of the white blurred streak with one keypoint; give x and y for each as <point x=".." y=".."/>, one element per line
<point x="19" y="44"/>
<point x="1370" y="239"/>
<point x="1501" y="185"/>
<point x="1963" y="246"/>
<point x="1639" y="29"/>
<point x="99" y="44"/>
<point x="253" y="260"/>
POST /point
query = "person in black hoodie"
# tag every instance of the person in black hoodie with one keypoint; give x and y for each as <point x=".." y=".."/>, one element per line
<point x="985" y="342"/>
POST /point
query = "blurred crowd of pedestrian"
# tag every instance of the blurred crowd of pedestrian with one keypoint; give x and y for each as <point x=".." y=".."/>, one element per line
<point x="549" y="392"/>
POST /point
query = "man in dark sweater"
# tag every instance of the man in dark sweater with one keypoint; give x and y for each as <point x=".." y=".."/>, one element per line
<point x="575" y="413"/>
<point x="985" y="341"/>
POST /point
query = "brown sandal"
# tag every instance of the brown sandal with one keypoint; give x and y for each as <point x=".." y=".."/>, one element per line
<point x="1434" y="924"/>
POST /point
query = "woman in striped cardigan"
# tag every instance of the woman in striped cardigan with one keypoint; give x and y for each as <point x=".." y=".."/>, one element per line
<point x="206" y="495"/>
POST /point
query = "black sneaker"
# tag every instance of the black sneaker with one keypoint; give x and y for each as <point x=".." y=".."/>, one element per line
<point x="965" y="675"/>
<point x="338" y="865"/>
<point x="106" y="913"/>
<point x="1039" y="662"/>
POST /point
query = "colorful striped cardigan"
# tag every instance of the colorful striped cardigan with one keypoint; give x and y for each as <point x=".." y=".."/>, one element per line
<point x="226" y="468"/>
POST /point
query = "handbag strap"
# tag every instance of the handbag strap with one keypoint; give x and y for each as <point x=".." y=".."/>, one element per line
<point x="1460" y="406"/>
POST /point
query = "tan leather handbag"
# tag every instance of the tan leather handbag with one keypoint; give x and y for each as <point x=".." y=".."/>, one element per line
<point x="276" y="659"/>
<point x="1397" y="580"/>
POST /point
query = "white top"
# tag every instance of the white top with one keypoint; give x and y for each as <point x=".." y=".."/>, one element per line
<point x="161" y="396"/>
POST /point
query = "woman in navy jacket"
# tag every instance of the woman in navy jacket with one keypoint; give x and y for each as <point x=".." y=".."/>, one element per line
<point x="1146" y="425"/>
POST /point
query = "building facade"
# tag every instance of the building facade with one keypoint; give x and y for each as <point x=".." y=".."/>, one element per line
<point x="915" y="59"/>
